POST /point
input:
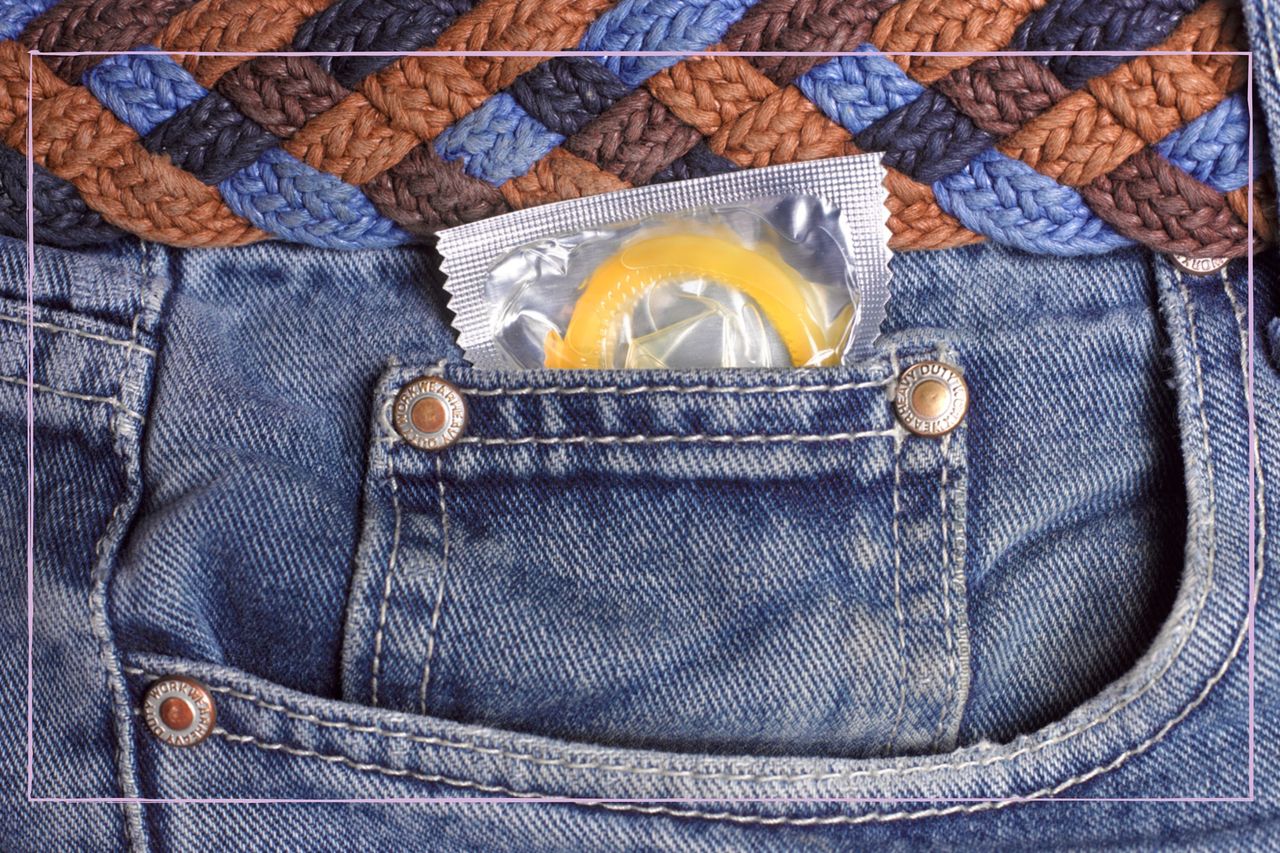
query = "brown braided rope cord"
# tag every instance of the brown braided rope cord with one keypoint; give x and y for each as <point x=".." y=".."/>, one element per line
<point x="395" y="130"/>
<point x="133" y="189"/>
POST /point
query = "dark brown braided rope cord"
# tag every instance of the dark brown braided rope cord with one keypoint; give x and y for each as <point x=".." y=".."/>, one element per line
<point x="1080" y="154"/>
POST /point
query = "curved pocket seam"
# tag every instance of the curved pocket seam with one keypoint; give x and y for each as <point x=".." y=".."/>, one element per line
<point x="666" y="811"/>
<point x="1186" y="620"/>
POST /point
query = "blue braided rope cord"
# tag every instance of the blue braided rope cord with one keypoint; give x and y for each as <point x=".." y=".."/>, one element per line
<point x="1214" y="148"/>
<point x="16" y="14"/>
<point x="497" y="141"/>
<point x="276" y="192"/>
<point x="993" y="194"/>
<point x="920" y="130"/>
<point x="659" y="25"/>
<point x="143" y="91"/>
<point x="931" y="140"/>
<point x="60" y="216"/>
<point x="502" y="140"/>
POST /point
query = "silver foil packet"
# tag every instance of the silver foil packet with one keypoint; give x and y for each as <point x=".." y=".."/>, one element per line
<point x="784" y="266"/>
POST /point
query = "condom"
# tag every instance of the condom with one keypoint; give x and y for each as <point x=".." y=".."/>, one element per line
<point x="781" y="267"/>
<point x="616" y="285"/>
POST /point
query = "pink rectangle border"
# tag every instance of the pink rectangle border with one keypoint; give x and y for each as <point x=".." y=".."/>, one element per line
<point x="1255" y="461"/>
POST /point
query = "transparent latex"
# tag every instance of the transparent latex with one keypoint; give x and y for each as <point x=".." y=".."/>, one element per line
<point x="778" y="267"/>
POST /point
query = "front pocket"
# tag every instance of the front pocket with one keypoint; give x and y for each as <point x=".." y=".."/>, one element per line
<point x="729" y="561"/>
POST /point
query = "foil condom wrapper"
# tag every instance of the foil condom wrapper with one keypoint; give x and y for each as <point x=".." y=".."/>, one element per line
<point x="782" y="266"/>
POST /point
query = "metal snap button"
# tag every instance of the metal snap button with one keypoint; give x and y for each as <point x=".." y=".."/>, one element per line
<point x="430" y="413"/>
<point x="1199" y="266"/>
<point x="179" y="710"/>
<point x="931" y="398"/>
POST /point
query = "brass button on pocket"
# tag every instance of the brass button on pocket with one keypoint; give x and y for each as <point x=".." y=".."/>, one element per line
<point x="1199" y="266"/>
<point x="931" y="399"/>
<point x="430" y="413"/>
<point x="179" y="711"/>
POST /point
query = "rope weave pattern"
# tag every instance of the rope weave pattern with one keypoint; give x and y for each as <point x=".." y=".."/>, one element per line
<point x="1069" y="155"/>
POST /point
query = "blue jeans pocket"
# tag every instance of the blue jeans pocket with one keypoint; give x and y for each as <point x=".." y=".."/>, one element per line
<point x="726" y="562"/>
<point x="545" y="594"/>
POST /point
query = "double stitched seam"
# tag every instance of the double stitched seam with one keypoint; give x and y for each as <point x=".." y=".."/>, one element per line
<point x="783" y="820"/>
<point x="761" y="820"/>
<point x="679" y="439"/>
<point x="947" y="615"/>
<point x="365" y="766"/>
<point x="97" y="603"/>
<point x="444" y="574"/>
<point x="394" y="486"/>
<point x="56" y="329"/>
<point x="1211" y="524"/>
<point x="393" y="558"/>
<point x="104" y="643"/>
<point x="899" y="617"/>
<point x="1241" y="320"/>
<point x="664" y="772"/>
<point x="130" y="346"/>
<point x="618" y="390"/>
<point x="113" y="402"/>
<point x="676" y="389"/>
<point x="748" y="819"/>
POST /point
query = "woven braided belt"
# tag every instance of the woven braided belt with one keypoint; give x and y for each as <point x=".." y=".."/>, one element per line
<point x="1069" y="154"/>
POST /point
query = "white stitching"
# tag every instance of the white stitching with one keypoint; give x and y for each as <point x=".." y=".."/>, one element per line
<point x="568" y="391"/>
<point x="1241" y="320"/>
<point x="357" y="765"/>
<point x="444" y="573"/>
<point x="665" y="772"/>
<point x="99" y="585"/>
<point x="133" y="814"/>
<point x="899" y="616"/>
<point x="677" y="439"/>
<point x="438" y="370"/>
<point x="128" y="356"/>
<point x="1211" y="523"/>
<point x="840" y="819"/>
<point x="948" y="624"/>
<point x="113" y="402"/>
<point x="104" y="645"/>
<point x="51" y="327"/>
<point x="762" y="820"/>
<point x="386" y="586"/>
<point x="816" y="776"/>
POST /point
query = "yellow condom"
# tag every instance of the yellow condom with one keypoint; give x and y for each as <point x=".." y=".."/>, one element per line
<point x="618" y="284"/>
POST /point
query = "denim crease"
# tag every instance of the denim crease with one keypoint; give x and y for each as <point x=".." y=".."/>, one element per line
<point x="478" y="744"/>
<point x="718" y="610"/>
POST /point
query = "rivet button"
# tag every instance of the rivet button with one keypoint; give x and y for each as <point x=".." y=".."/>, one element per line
<point x="430" y="413"/>
<point x="179" y="710"/>
<point x="931" y="398"/>
<point x="1199" y="266"/>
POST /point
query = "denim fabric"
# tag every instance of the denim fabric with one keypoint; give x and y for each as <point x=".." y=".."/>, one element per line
<point x="488" y="729"/>
<point x="696" y="595"/>
<point x="598" y="633"/>
<point x="745" y="581"/>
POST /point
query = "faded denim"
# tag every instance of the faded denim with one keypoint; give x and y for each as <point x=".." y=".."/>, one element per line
<point x="711" y="592"/>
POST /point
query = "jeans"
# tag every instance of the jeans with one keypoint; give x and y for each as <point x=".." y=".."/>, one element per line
<point x="690" y="597"/>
